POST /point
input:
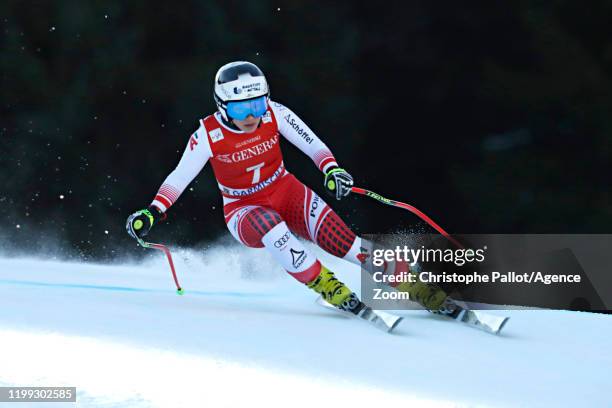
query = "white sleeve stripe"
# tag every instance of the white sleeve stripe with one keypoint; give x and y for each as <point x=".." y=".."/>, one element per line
<point x="170" y="200"/>
<point x="321" y="156"/>
<point x="328" y="165"/>
<point x="159" y="205"/>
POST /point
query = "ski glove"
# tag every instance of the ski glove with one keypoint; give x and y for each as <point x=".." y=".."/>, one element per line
<point x="338" y="182"/>
<point x="139" y="223"/>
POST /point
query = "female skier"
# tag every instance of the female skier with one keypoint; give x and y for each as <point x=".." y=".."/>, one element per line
<point x="264" y="204"/>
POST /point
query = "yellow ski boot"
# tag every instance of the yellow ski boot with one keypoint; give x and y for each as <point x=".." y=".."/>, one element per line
<point x="430" y="296"/>
<point x="335" y="292"/>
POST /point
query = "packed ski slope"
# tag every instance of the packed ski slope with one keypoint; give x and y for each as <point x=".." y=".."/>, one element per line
<point x="244" y="333"/>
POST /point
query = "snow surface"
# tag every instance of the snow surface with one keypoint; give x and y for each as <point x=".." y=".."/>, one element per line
<point x="245" y="333"/>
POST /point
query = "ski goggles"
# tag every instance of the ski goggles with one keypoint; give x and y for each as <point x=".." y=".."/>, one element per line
<point x="242" y="109"/>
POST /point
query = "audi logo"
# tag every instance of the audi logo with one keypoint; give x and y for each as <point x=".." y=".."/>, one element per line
<point x="282" y="240"/>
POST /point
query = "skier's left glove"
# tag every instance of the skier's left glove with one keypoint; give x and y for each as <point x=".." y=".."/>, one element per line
<point x="139" y="223"/>
<point x="338" y="182"/>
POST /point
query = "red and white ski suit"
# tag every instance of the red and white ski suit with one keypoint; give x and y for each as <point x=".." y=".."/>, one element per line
<point x="264" y="204"/>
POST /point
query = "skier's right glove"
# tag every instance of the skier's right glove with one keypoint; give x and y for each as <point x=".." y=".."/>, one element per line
<point x="139" y="223"/>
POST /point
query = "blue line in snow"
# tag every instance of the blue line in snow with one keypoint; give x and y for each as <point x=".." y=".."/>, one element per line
<point x="127" y="289"/>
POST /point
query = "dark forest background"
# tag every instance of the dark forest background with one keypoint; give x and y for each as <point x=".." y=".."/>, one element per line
<point x="492" y="117"/>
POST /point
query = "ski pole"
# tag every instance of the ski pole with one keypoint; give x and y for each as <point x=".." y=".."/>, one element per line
<point x="410" y="208"/>
<point x="165" y="250"/>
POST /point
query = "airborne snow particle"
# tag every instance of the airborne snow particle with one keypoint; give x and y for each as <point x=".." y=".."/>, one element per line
<point x="61" y="196"/>
<point x="18" y="226"/>
<point x="52" y="28"/>
<point x="106" y="232"/>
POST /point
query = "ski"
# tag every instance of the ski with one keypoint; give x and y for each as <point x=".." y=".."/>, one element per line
<point x="474" y="318"/>
<point x="379" y="319"/>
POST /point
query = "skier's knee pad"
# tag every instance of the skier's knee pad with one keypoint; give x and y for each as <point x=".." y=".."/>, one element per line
<point x="250" y="224"/>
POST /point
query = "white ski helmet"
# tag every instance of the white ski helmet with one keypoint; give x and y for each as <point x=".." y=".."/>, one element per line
<point x="239" y="81"/>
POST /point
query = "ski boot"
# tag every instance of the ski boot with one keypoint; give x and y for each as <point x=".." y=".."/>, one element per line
<point x="430" y="296"/>
<point x="448" y="308"/>
<point x="335" y="292"/>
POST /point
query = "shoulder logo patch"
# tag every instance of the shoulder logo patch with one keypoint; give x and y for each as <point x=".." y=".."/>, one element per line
<point x="267" y="118"/>
<point x="216" y="135"/>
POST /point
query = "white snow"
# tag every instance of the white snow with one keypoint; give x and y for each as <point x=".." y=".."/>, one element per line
<point x="244" y="333"/>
